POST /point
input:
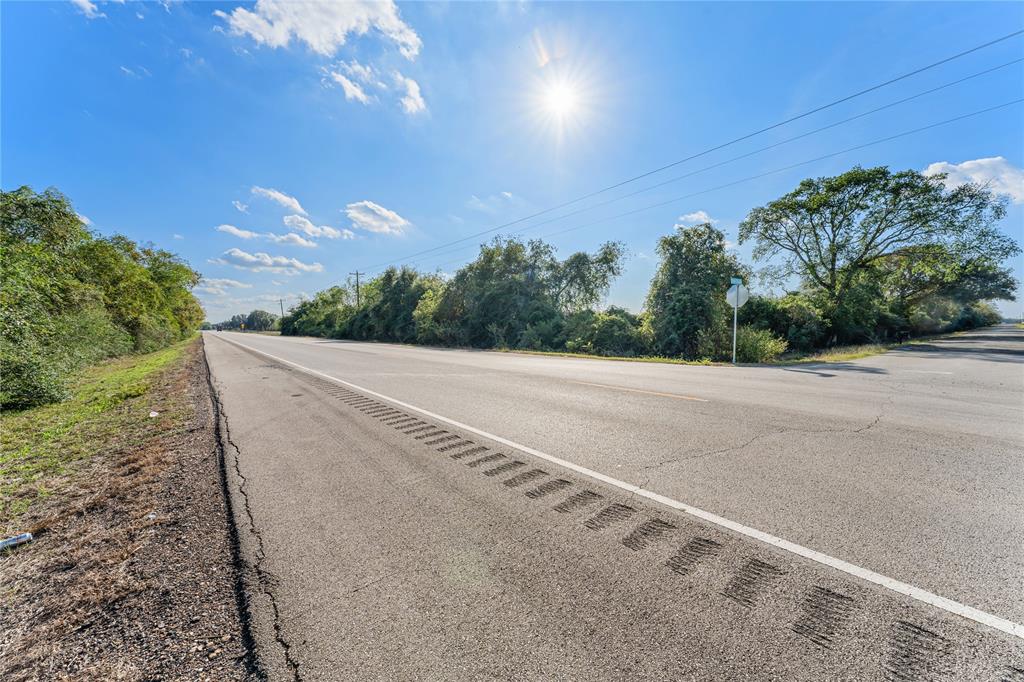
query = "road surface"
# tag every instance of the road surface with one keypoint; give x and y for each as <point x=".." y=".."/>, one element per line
<point x="419" y="513"/>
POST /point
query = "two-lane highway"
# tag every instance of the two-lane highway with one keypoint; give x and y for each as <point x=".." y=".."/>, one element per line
<point x="906" y="465"/>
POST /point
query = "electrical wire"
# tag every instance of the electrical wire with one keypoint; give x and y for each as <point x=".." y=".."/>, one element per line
<point x="712" y="149"/>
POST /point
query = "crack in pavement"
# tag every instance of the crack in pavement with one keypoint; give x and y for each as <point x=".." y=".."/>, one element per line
<point x="264" y="578"/>
<point x="679" y="454"/>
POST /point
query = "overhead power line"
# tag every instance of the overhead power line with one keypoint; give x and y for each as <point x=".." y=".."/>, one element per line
<point x="771" y="172"/>
<point x="709" y="150"/>
<point x="763" y="149"/>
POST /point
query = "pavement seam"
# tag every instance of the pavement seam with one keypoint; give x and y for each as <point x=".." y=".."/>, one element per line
<point x="263" y="577"/>
<point x="242" y="603"/>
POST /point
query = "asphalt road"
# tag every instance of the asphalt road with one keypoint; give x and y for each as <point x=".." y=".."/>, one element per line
<point x="377" y="556"/>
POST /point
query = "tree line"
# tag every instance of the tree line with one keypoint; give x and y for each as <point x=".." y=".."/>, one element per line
<point x="877" y="255"/>
<point x="257" y="321"/>
<point x="71" y="297"/>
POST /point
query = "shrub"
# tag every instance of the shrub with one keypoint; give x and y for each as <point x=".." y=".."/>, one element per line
<point x="758" y="345"/>
<point x="752" y="344"/>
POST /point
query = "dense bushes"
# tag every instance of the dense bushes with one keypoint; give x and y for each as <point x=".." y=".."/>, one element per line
<point x="902" y="255"/>
<point x="514" y="295"/>
<point x="71" y="298"/>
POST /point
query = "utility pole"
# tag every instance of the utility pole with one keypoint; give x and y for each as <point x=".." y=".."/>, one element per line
<point x="357" y="273"/>
<point x="281" y="301"/>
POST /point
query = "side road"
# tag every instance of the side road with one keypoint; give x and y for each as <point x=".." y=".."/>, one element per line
<point x="131" y="575"/>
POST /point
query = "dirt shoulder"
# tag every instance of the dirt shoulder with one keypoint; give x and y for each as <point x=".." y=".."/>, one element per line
<point x="132" y="572"/>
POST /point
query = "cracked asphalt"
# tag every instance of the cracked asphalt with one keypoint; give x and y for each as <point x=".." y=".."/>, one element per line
<point x="375" y="557"/>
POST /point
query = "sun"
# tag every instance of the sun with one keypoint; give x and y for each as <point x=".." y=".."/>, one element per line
<point x="561" y="100"/>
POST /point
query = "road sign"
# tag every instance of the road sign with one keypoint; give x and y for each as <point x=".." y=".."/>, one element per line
<point x="735" y="280"/>
<point x="737" y="295"/>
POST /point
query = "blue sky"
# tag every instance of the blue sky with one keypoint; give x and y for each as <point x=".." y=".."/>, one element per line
<point x="279" y="147"/>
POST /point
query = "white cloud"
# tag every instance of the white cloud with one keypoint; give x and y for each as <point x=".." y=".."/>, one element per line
<point x="84" y="219"/>
<point x="240" y="233"/>
<point x="178" y="236"/>
<point x="491" y="204"/>
<point x="360" y="81"/>
<point x="291" y="238"/>
<point x="300" y="224"/>
<point x="219" y="287"/>
<point x="362" y="72"/>
<point x="242" y="208"/>
<point x="264" y="262"/>
<point x="137" y="72"/>
<point x="323" y="26"/>
<point x="695" y="218"/>
<point x="995" y="172"/>
<point x="88" y="8"/>
<point x="288" y="202"/>
<point x="352" y="90"/>
<point x="412" y="101"/>
<point x="366" y="215"/>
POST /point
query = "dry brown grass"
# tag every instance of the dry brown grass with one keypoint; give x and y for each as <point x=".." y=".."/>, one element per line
<point x="91" y="527"/>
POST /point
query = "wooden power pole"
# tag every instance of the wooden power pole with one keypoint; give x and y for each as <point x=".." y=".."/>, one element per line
<point x="357" y="274"/>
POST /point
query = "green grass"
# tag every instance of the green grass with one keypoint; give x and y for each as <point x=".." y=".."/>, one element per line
<point x="837" y="354"/>
<point x="107" y="408"/>
<point x="615" y="358"/>
<point x="840" y="354"/>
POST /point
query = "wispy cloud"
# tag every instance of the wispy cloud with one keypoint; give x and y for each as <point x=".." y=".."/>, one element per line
<point x="238" y="232"/>
<point x="291" y="238"/>
<point x="301" y="224"/>
<point x="264" y="262"/>
<point x="695" y="218"/>
<point x="412" y="101"/>
<point x="219" y="287"/>
<point x="178" y="236"/>
<point x="352" y="91"/>
<point x="361" y="83"/>
<point x="84" y="219"/>
<point x="322" y="26"/>
<point x="242" y="208"/>
<point x="289" y="202"/>
<point x="88" y="8"/>
<point x="995" y="172"/>
<point x="137" y="72"/>
<point x="366" y="215"/>
<point x="491" y="204"/>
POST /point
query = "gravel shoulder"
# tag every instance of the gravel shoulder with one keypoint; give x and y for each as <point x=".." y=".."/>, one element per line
<point x="132" y="573"/>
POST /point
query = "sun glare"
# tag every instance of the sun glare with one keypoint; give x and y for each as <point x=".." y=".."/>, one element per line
<point x="560" y="100"/>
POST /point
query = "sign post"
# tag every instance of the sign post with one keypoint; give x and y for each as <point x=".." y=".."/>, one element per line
<point x="737" y="295"/>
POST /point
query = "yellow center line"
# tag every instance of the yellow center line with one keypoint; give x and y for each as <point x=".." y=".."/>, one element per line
<point x="637" y="390"/>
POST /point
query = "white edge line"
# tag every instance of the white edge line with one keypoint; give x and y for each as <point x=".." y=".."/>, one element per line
<point x="969" y="612"/>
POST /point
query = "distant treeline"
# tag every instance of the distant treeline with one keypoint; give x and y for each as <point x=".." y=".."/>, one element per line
<point x="71" y="297"/>
<point x="878" y="254"/>
<point x="257" y="321"/>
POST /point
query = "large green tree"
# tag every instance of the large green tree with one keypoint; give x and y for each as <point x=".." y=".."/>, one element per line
<point x="830" y="231"/>
<point x="687" y="294"/>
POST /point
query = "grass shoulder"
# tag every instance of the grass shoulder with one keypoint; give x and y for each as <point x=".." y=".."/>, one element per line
<point x="108" y="409"/>
<point x="828" y="355"/>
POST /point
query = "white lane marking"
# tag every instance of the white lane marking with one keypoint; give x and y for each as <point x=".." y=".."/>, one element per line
<point x="925" y="371"/>
<point x="969" y="612"/>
